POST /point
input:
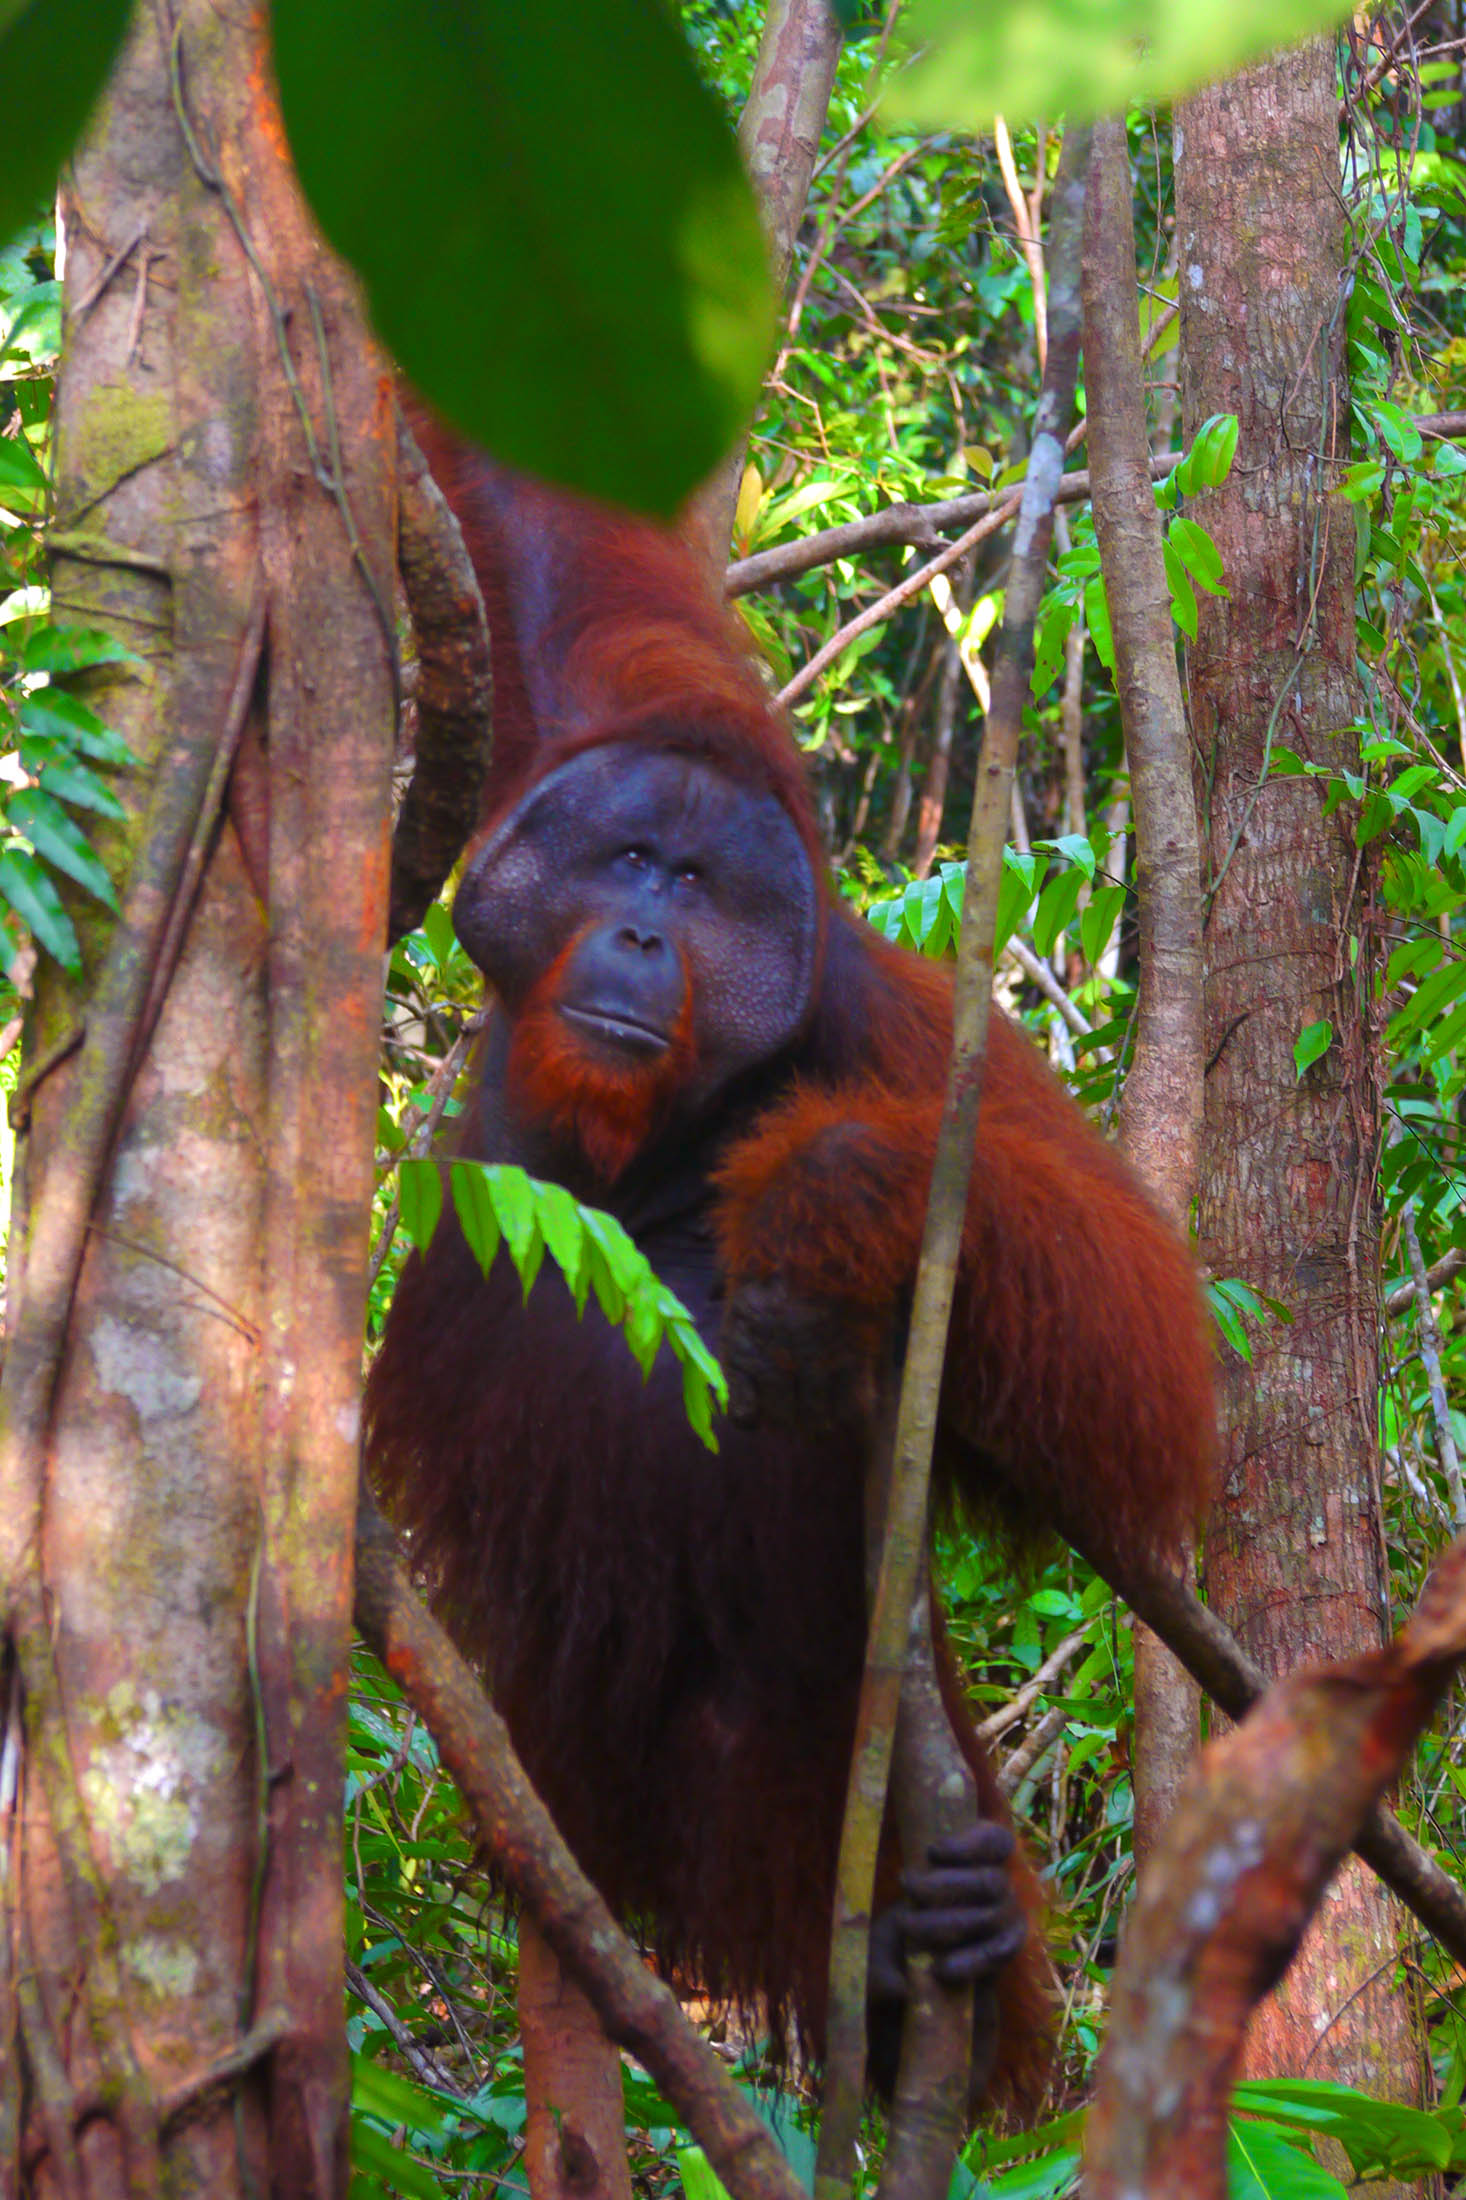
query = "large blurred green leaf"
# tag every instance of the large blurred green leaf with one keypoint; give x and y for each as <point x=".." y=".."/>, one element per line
<point x="548" y="210"/>
<point x="54" y="56"/>
<point x="1026" y="58"/>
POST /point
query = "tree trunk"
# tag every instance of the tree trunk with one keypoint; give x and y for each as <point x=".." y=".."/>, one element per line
<point x="187" y="1291"/>
<point x="575" y="2138"/>
<point x="1295" y="1557"/>
<point x="1160" y="1112"/>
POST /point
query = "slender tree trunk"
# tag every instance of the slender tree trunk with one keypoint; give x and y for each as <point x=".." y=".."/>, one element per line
<point x="1295" y="1558"/>
<point x="932" y="803"/>
<point x="181" y="1383"/>
<point x="1160" y="1113"/>
<point x="575" y="2139"/>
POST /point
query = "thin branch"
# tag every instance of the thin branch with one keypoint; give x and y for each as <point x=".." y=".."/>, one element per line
<point x="1437" y="1276"/>
<point x="915" y="526"/>
<point x="1210" y="1651"/>
<point x="926" y="526"/>
<point x="1008" y="1714"/>
<point x="441" y="807"/>
<point x="1264" y="1821"/>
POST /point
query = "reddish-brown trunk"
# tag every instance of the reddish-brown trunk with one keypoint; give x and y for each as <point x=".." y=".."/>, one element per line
<point x="1287" y="1187"/>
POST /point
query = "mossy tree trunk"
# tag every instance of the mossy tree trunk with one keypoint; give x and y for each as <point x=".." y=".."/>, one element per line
<point x="188" y="1265"/>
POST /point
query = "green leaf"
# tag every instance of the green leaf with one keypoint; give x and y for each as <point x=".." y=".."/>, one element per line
<point x="643" y="1327"/>
<point x="610" y="1297"/>
<point x="1229" y="1322"/>
<point x="1056" y="906"/>
<point x="1213" y="449"/>
<point x="1048" y="644"/>
<point x="513" y="1197"/>
<point x="700" y="2181"/>
<point x="697" y="1403"/>
<point x="19" y="466"/>
<point x="437" y="930"/>
<point x="1397" y="429"/>
<point x="74" y="649"/>
<point x="564" y="1235"/>
<point x="473" y="1203"/>
<point x="1023" y="58"/>
<point x="1261" y="2165"/>
<point x="1016" y="889"/>
<point x="375" y="2155"/>
<point x="1372" y="2132"/>
<point x="60" y="840"/>
<point x="1097" y="619"/>
<point x="691" y="1348"/>
<point x="1362" y="481"/>
<point x="51" y="714"/>
<point x="54" y="55"/>
<point x="71" y="781"/>
<point x="31" y="893"/>
<point x="420" y="1201"/>
<point x="1183" y="595"/>
<point x="1376" y="815"/>
<point x="1312" y="1043"/>
<point x="1099" y="921"/>
<point x="1199" y="554"/>
<point x="1075" y="848"/>
<point x="563" y="175"/>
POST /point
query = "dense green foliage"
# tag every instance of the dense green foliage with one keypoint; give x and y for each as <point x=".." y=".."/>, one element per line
<point x="907" y="370"/>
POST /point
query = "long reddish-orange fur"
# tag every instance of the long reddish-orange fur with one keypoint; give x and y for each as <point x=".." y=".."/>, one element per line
<point x="610" y="1109"/>
<point x="1078" y="1389"/>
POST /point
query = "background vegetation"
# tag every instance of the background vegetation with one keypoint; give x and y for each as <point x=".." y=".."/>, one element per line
<point x="903" y="371"/>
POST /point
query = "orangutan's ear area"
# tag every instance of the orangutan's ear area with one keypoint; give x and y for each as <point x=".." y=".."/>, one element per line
<point x="692" y="1032"/>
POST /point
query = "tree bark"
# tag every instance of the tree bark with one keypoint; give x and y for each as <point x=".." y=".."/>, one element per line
<point x="1288" y="1201"/>
<point x="181" y="1384"/>
<point x="575" y="2137"/>
<point x="1160" y="1115"/>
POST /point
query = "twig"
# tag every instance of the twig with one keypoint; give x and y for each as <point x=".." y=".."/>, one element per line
<point x="1437" y="1276"/>
<point x="1015" y="1769"/>
<point x="994" y="1728"/>
<point x="454" y="695"/>
<point x="1209" y="1651"/>
<point x="913" y="526"/>
<point x="1261" y="1826"/>
<point x="1038" y="973"/>
<point x="431" y="2072"/>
